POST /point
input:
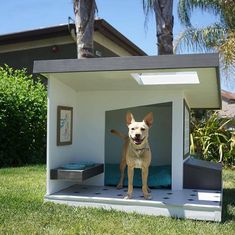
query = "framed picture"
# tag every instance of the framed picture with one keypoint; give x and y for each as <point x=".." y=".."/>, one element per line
<point x="64" y="125"/>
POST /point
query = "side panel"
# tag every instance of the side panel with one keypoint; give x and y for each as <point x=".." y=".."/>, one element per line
<point x="59" y="94"/>
<point x="177" y="143"/>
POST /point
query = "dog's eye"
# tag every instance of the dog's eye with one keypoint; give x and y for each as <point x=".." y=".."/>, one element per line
<point x="132" y="128"/>
<point x="142" y="129"/>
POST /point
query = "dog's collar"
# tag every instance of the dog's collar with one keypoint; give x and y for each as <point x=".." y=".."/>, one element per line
<point x="141" y="150"/>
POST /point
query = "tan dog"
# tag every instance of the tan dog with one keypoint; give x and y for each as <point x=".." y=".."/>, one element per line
<point x="136" y="152"/>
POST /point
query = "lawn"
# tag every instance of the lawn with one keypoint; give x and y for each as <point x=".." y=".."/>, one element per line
<point x="22" y="211"/>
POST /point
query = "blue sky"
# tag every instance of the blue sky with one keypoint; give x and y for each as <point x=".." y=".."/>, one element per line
<point x="125" y="15"/>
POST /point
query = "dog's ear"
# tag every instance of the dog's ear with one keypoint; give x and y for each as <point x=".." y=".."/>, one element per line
<point x="149" y="119"/>
<point x="129" y="118"/>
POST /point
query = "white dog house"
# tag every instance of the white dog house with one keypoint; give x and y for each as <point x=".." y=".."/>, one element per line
<point x="89" y="97"/>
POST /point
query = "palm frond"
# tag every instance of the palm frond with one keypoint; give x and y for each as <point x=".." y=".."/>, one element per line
<point x="186" y="7"/>
<point x="148" y="5"/>
<point x="227" y="12"/>
<point x="227" y="50"/>
<point x="210" y="39"/>
<point x="203" y="39"/>
<point x="148" y="8"/>
<point x="184" y="12"/>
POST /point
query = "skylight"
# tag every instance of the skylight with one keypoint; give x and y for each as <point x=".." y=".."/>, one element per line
<point x="169" y="78"/>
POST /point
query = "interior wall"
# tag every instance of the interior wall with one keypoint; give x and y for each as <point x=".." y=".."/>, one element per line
<point x="159" y="136"/>
<point x="59" y="94"/>
<point x="92" y="106"/>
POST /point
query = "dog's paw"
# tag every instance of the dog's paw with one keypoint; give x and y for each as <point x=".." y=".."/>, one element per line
<point x="119" y="186"/>
<point x="147" y="197"/>
<point x="128" y="196"/>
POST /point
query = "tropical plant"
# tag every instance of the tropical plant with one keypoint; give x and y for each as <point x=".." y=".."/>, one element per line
<point x="84" y="11"/>
<point x="164" y="23"/>
<point x="219" y="37"/>
<point x="23" y="108"/>
<point x="211" y="140"/>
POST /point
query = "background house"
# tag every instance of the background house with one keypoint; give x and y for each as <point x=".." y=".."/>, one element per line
<point x="19" y="50"/>
<point x="228" y="107"/>
<point x="228" y="104"/>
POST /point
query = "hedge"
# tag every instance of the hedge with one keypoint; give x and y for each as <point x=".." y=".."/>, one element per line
<point x="22" y="118"/>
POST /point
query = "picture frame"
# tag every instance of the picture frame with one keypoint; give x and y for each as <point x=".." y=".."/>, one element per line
<point x="64" y="125"/>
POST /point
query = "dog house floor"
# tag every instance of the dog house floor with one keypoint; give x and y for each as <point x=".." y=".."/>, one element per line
<point x="187" y="203"/>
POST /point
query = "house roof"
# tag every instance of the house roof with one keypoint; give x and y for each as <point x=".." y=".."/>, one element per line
<point x="228" y="106"/>
<point x="227" y="95"/>
<point x="115" y="73"/>
<point x="64" y="30"/>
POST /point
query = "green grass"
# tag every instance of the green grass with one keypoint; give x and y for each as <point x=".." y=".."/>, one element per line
<point x="23" y="211"/>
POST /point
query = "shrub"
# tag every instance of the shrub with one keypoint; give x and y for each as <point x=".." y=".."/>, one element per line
<point x="212" y="140"/>
<point x="22" y="118"/>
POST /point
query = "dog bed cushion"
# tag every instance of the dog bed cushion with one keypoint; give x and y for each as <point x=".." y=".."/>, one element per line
<point x="159" y="176"/>
<point x="77" y="165"/>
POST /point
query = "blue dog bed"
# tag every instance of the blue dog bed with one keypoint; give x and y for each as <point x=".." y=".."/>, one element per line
<point x="77" y="165"/>
<point x="159" y="176"/>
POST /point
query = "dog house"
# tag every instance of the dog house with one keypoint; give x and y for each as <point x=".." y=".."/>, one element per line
<point x="89" y="97"/>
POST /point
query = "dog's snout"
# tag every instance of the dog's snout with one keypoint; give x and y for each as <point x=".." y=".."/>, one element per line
<point x="137" y="136"/>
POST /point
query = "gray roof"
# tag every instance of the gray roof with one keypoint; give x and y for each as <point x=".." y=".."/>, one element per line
<point x="127" y="63"/>
<point x="115" y="73"/>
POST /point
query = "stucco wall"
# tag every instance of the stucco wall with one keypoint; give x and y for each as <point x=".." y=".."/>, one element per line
<point x="24" y="58"/>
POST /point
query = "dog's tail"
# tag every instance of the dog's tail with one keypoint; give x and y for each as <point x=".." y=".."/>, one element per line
<point x="119" y="134"/>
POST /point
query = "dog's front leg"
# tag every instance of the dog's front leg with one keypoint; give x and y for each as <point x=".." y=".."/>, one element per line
<point x="130" y="182"/>
<point x="122" y="172"/>
<point x="145" y="188"/>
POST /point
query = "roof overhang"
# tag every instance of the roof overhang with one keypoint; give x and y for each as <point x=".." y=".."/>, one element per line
<point x="117" y="74"/>
<point x="60" y="31"/>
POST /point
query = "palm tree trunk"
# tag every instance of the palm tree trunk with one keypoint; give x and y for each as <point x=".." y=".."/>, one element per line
<point x="84" y="11"/>
<point x="163" y="10"/>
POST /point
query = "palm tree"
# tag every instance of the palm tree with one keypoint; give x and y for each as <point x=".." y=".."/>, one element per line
<point x="164" y="23"/>
<point x="84" y="11"/>
<point x="218" y="37"/>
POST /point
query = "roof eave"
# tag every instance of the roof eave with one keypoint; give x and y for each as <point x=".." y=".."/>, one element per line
<point x="128" y="63"/>
<point x="64" y="30"/>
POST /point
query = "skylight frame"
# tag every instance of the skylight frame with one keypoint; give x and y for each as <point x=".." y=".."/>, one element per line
<point x="166" y="78"/>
